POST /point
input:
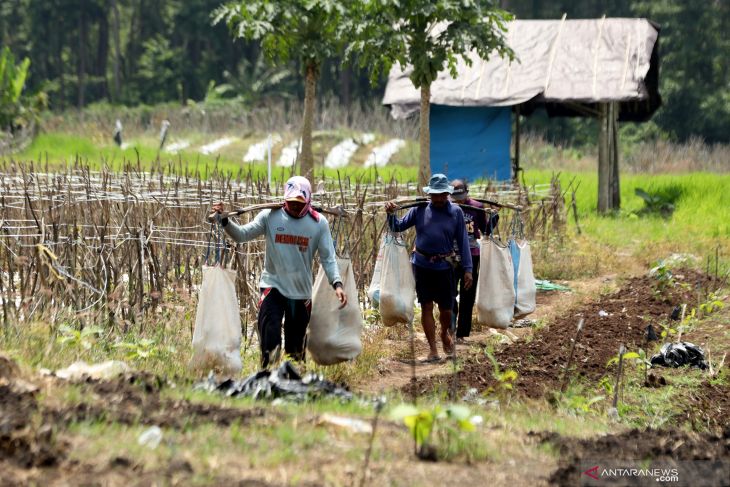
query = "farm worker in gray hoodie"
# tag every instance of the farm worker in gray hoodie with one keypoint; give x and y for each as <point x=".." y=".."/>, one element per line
<point x="293" y="233"/>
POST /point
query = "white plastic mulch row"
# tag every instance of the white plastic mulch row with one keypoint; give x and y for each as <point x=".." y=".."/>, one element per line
<point x="259" y="151"/>
<point x="177" y="146"/>
<point x="340" y="155"/>
<point x="381" y="155"/>
<point x="289" y="154"/>
<point x="216" y="145"/>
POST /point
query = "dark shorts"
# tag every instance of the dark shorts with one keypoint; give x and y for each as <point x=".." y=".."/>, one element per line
<point x="435" y="286"/>
<point x="275" y="307"/>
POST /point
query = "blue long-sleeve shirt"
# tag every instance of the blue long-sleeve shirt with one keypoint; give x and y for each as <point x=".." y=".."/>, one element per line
<point x="436" y="231"/>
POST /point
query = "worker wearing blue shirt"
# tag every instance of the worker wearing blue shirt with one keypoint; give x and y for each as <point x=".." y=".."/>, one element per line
<point x="438" y="225"/>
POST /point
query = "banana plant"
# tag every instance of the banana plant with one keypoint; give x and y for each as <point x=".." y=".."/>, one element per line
<point x="12" y="82"/>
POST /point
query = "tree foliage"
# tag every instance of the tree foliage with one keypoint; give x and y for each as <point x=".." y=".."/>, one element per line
<point x="86" y="51"/>
<point x="430" y="36"/>
<point x="307" y="31"/>
<point x="17" y="110"/>
<point x="427" y="36"/>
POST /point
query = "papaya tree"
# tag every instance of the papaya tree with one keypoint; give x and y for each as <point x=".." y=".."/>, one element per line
<point x="427" y="36"/>
<point x="306" y="31"/>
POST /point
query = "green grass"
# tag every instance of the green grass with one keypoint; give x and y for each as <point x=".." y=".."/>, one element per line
<point x="699" y="223"/>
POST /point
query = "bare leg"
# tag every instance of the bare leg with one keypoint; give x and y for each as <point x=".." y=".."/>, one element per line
<point x="447" y="340"/>
<point x="429" y="327"/>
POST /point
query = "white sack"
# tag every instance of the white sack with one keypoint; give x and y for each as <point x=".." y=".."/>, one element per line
<point x="495" y="298"/>
<point x="217" y="335"/>
<point x="526" y="290"/>
<point x="374" y="289"/>
<point x="334" y="333"/>
<point x="397" y="285"/>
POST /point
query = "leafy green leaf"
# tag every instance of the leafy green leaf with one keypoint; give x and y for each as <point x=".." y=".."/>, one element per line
<point x="403" y="411"/>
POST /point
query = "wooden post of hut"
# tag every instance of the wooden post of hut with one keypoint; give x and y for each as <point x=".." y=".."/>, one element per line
<point x="609" y="197"/>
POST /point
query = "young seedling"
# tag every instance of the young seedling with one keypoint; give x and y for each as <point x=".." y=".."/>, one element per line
<point x="422" y="423"/>
<point x="570" y="357"/>
<point x="613" y="412"/>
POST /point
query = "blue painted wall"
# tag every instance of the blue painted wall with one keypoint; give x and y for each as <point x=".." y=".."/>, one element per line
<point x="471" y="142"/>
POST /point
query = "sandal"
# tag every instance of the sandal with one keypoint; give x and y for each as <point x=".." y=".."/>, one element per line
<point x="431" y="360"/>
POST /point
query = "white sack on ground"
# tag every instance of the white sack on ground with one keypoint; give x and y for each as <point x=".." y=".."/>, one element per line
<point x="397" y="285"/>
<point x="374" y="289"/>
<point x="495" y="299"/>
<point x="526" y="289"/>
<point x="334" y="333"/>
<point x="217" y="335"/>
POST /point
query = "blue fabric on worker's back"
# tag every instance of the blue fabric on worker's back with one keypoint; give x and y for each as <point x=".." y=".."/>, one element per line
<point x="471" y="142"/>
<point x="515" y="251"/>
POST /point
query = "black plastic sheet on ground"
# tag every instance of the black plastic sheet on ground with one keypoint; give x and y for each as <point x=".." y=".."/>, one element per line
<point x="284" y="382"/>
<point x="679" y="355"/>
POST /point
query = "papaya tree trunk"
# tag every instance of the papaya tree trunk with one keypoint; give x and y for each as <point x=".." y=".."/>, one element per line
<point x="424" y="165"/>
<point x="306" y="167"/>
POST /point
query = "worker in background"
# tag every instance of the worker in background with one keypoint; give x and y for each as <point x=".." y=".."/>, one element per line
<point x="475" y="221"/>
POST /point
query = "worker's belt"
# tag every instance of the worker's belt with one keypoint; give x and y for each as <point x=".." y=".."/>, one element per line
<point x="451" y="257"/>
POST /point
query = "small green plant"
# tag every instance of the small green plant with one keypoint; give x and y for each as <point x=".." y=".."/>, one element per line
<point x="627" y="356"/>
<point x="577" y="403"/>
<point x="667" y="330"/>
<point x="661" y="200"/>
<point x="663" y="276"/>
<point x="505" y="379"/>
<point x="143" y="349"/>
<point x="607" y="385"/>
<point x="713" y="303"/>
<point x="422" y="424"/>
<point x="84" y="338"/>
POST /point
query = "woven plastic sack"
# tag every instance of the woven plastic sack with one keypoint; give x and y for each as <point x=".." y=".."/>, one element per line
<point x="334" y="333"/>
<point x="397" y="284"/>
<point x="525" y="289"/>
<point x="495" y="300"/>
<point x="217" y="335"/>
<point x="374" y="289"/>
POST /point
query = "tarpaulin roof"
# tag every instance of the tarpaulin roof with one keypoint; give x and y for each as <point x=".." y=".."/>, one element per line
<point x="565" y="65"/>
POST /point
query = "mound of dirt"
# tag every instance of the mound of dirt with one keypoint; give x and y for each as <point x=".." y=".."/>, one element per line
<point x="660" y="447"/>
<point x="611" y="320"/>
<point x="23" y="442"/>
<point x="708" y="407"/>
<point x="135" y="399"/>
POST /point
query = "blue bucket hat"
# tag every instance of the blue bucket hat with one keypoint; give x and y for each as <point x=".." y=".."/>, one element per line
<point x="438" y="183"/>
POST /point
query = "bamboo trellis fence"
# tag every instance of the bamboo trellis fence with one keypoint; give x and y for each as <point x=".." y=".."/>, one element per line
<point x="111" y="246"/>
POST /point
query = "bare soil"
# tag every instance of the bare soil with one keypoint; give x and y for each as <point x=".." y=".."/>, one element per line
<point x="660" y="447"/>
<point x="610" y="320"/>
